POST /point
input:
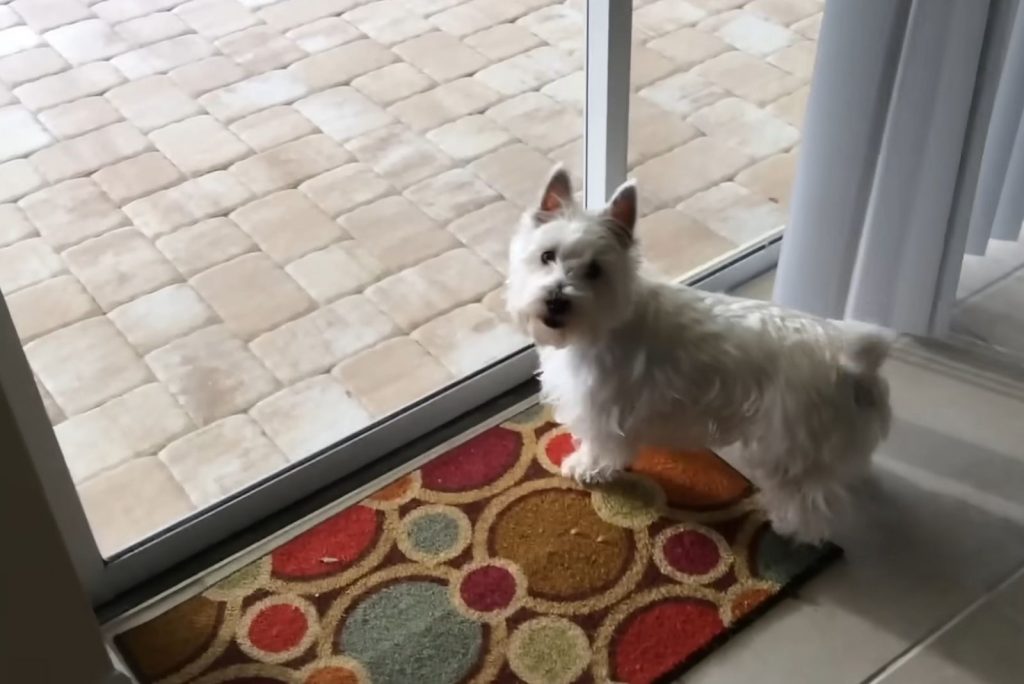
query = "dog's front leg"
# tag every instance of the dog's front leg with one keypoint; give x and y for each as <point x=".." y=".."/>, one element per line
<point x="599" y="457"/>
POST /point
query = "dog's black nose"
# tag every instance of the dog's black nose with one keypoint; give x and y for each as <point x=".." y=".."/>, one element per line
<point x="558" y="306"/>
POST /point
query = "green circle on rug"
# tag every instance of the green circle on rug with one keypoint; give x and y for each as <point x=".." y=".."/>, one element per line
<point x="434" y="533"/>
<point x="410" y="632"/>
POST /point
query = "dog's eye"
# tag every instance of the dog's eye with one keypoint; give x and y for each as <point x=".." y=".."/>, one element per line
<point x="593" y="271"/>
<point x="547" y="257"/>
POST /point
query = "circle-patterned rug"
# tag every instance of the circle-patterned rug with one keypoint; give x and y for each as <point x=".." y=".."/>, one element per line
<point x="486" y="565"/>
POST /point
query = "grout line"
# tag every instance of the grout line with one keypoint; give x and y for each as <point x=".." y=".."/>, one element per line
<point x="933" y="636"/>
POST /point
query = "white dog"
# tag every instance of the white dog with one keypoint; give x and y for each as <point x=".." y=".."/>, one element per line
<point x="628" y="361"/>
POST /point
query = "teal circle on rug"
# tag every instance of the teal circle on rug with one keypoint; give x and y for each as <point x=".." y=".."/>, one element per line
<point x="434" y="533"/>
<point x="779" y="559"/>
<point x="410" y="632"/>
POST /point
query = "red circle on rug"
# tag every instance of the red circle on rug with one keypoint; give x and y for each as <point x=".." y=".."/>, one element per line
<point x="559" y="448"/>
<point x="333" y="545"/>
<point x="659" y="637"/>
<point x="476" y="463"/>
<point x="488" y="588"/>
<point x="278" y="627"/>
<point x="691" y="552"/>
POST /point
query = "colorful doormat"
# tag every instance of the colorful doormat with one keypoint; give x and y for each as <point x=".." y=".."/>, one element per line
<point x="485" y="565"/>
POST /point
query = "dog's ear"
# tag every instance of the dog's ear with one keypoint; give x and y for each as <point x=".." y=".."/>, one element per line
<point x="621" y="209"/>
<point x="557" y="196"/>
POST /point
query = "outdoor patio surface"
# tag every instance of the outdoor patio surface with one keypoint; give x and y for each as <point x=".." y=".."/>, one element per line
<point x="234" y="231"/>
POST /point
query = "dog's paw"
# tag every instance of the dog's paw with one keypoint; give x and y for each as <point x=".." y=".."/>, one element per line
<point x="583" y="468"/>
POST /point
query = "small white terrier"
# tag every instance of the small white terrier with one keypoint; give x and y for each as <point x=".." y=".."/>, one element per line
<point x="628" y="361"/>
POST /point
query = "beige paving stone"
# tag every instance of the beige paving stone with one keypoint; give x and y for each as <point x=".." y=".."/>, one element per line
<point x="86" y="364"/>
<point x="755" y="35"/>
<point x="132" y="501"/>
<point x="388" y="21"/>
<point x="50" y="305"/>
<point x="416" y="295"/>
<point x="559" y="25"/>
<point x="70" y="212"/>
<point x="200" y="198"/>
<point x="90" y="152"/>
<point x="660" y="234"/>
<point x="720" y="18"/>
<point x="199" y="145"/>
<point x="495" y="302"/>
<point x="119" y="266"/>
<point x="515" y="171"/>
<point x="683" y="93"/>
<point x="163" y="56"/>
<point x="217" y="461"/>
<point x="488" y="232"/>
<point x="699" y="164"/>
<point x="315" y="343"/>
<point x="232" y="102"/>
<point x="450" y="195"/>
<point x="648" y="66"/>
<point x="391" y="375"/>
<point x="441" y="56"/>
<point x="199" y="78"/>
<point x="29" y="65"/>
<point x="199" y="246"/>
<point x="72" y="119"/>
<point x="665" y="16"/>
<point x="137" y="177"/>
<point x="160" y="317"/>
<point x="345" y="188"/>
<point x="445" y="103"/>
<point x="747" y="76"/>
<point x="809" y="27"/>
<point x="538" y="120"/>
<point x="771" y="178"/>
<point x="86" y="41"/>
<point x="8" y="17"/>
<point x="18" y="178"/>
<point x="16" y="39"/>
<point x="400" y="156"/>
<point x="287" y="225"/>
<point x="215" y="18"/>
<point x="272" y="127"/>
<point x="396" y="233"/>
<point x="260" y="49"/>
<point x="153" y="102"/>
<point x="291" y="13"/>
<point x="135" y="424"/>
<point x="53" y="411"/>
<point x="309" y="416"/>
<point x="654" y="131"/>
<point x="6" y="96"/>
<point x="343" y="113"/>
<point x="22" y="133"/>
<point x="324" y="34"/>
<point x="14" y="225"/>
<point x="689" y="46"/>
<point x="73" y="84"/>
<point x="26" y="263"/>
<point x="784" y="12"/>
<point x="212" y="374"/>
<point x="151" y="28"/>
<point x="527" y="71"/>
<point x="429" y="7"/>
<point x="393" y="83"/>
<point x="469" y="17"/>
<point x="338" y="66"/>
<point x="734" y="212"/>
<point x="114" y="11"/>
<point x="746" y="127"/>
<point x="469" y="338"/>
<point x="469" y="137"/>
<point x="791" y="108"/>
<point x="570" y="90"/>
<point x="340" y="269"/>
<point x="797" y="59"/>
<point x="252" y="294"/>
<point x="503" y="41"/>
<point x="287" y="165"/>
<point x="43" y="15"/>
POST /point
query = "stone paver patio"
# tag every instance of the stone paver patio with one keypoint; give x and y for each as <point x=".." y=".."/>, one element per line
<point x="234" y="231"/>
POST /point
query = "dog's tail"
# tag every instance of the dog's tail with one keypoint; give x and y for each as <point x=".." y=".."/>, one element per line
<point x="866" y="349"/>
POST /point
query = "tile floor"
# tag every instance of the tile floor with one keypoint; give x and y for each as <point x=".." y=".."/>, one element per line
<point x="219" y="216"/>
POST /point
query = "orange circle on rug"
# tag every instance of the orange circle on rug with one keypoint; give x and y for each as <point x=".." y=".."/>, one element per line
<point x="749" y="600"/>
<point x="693" y="479"/>
<point x="563" y="547"/>
<point x="333" y="675"/>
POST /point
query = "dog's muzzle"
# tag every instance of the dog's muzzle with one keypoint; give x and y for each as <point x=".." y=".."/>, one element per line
<point x="557" y="308"/>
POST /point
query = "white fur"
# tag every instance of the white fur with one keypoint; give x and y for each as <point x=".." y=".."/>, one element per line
<point x="641" y="362"/>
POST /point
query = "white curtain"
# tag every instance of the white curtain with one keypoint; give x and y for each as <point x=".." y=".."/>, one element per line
<point x="913" y="154"/>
